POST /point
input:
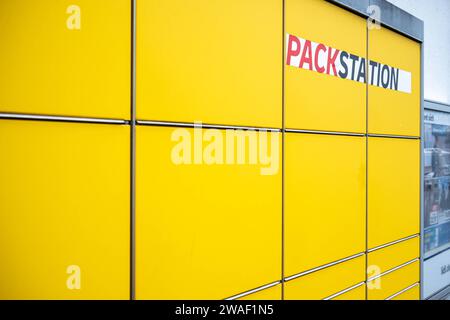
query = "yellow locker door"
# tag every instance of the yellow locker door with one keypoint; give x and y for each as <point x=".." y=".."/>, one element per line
<point x="324" y="283"/>
<point x="410" y="294"/>
<point x="64" y="210"/>
<point x="211" y="61"/>
<point x="316" y="100"/>
<point x="393" y="189"/>
<point x="395" y="110"/>
<point x="325" y="183"/>
<point x="394" y="255"/>
<point x="66" y="57"/>
<point x="204" y="231"/>
<point x="393" y="282"/>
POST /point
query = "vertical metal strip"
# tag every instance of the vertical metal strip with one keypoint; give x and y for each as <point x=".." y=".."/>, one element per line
<point x="133" y="156"/>
<point x="283" y="133"/>
<point x="422" y="171"/>
<point x="367" y="155"/>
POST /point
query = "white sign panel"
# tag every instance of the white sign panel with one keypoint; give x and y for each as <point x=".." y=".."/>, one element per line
<point x="318" y="57"/>
<point x="436" y="273"/>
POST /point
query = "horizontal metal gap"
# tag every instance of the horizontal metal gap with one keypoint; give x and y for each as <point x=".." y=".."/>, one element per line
<point x="233" y="127"/>
<point x="246" y="293"/>
<point x="392" y="270"/>
<point x="345" y="290"/>
<point x="402" y="291"/>
<point x="21" y="116"/>
<point x="304" y="273"/>
<point x="353" y="134"/>
<point x="374" y="135"/>
<point x="392" y="243"/>
<point x="200" y="125"/>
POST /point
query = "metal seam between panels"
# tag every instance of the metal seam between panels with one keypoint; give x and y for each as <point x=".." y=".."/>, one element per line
<point x="375" y="135"/>
<point x="287" y="130"/>
<point x="345" y="290"/>
<point x="422" y="171"/>
<point x="201" y="125"/>
<point x="352" y="134"/>
<point x="392" y="243"/>
<point x="283" y="147"/>
<point x="304" y="273"/>
<point x="38" y="117"/>
<point x="367" y="163"/>
<point x="258" y="289"/>
<point x="133" y="156"/>
<point x="402" y="291"/>
<point x="338" y="133"/>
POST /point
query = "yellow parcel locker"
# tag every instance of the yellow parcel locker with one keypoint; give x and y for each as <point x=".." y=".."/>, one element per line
<point x="64" y="211"/>
<point x="71" y="58"/>
<point x="272" y="293"/>
<point x="214" y="61"/>
<point x="394" y="111"/>
<point x="393" y="282"/>
<point x="394" y="255"/>
<point x="325" y="199"/>
<point x="410" y="294"/>
<point x="205" y="230"/>
<point x="393" y="189"/>
<point x="317" y="101"/>
<point x="326" y="282"/>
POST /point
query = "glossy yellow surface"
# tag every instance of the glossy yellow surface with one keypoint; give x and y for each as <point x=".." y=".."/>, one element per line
<point x="47" y="68"/>
<point x="394" y="255"/>
<point x="395" y="112"/>
<point x="393" y="189"/>
<point x="272" y="293"/>
<point x="326" y="282"/>
<point x="203" y="231"/>
<point x="318" y="101"/>
<point x="325" y="217"/>
<point x="212" y="61"/>
<point x="393" y="282"/>
<point x="358" y="293"/>
<point x="410" y="294"/>
<point x="64" y="200"/>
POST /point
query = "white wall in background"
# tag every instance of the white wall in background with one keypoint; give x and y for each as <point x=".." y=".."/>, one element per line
<point x="436" y="16"/>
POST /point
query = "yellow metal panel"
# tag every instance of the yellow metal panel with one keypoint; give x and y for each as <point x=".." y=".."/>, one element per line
<point x="64" y="70"/>
<point x="390" y="111"/>
<point x="358" y="293"/>
<point x="203" y="231"/>
<point x="325" y="211"/>
<point x="393" y="282"/>
<point x="390" y="257"/>
<point x="323" y="283"/>
<point x="64" y="201"/>
<point x="273" y="293"/>
<point x="393" y="189"/>
<point x="318" y="101"/>
<point x="410" y="294"/>
<point x="213" y="61"/>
